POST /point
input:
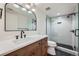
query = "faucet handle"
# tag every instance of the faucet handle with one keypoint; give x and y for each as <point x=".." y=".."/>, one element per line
<point x="17" y="36"/>
<point x="24" y="35"/>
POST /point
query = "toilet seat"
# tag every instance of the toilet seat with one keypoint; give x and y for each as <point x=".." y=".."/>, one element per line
<point x="52" y="44"/>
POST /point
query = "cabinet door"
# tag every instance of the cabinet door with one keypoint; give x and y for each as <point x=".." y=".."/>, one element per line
<point x="37" y="49"/>
<point x="44" y="47"/>
<point x="33" y="49"/>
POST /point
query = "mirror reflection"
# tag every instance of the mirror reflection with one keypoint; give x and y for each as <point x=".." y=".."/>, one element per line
<point x="18" y="17"/>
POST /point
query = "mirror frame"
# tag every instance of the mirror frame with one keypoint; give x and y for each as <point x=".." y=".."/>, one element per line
<point x="1" y="13"/>
<point x="16" y="30"/>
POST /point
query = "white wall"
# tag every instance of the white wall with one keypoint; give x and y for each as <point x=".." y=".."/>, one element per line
<point x="41" y="26"/>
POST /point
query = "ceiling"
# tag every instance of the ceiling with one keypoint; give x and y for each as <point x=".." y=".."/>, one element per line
<point x="55" y="8"/>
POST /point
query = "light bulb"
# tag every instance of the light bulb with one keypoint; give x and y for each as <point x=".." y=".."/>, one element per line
<point x="33" y="9"/>
<point x="27" y="6"/>
<point x="23" y="9"/>
<point x="15" y="5"/>
<point x="29" y="12"/>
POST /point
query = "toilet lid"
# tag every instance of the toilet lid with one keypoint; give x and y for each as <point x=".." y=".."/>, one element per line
<point x="52" y="43"/>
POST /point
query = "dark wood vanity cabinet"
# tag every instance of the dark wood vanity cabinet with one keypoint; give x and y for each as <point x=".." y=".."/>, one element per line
<point x="38" y="48"/>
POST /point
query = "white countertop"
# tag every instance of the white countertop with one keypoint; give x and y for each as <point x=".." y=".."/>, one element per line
<point x="10" y="45"/>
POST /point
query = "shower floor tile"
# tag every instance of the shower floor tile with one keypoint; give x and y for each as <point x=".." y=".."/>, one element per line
<point x="61" y="53"/>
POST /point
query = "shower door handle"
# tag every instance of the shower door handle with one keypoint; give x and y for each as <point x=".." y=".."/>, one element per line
<point x="76" y="32"/>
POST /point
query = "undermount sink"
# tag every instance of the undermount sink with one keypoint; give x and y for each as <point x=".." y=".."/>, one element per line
<point x="27" y="39"/>
<point x="21" y="40"/>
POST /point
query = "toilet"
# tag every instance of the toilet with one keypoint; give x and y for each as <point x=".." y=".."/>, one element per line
<point x="51" y="47"/>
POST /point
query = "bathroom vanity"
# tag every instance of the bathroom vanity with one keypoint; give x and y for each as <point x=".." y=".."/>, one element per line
<point x="38" y="48"/>
<point x="35" y="45"/>
<point x="32" y="47"/>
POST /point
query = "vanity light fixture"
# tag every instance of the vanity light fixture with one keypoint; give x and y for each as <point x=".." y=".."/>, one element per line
<point x="27" y="6"/>
<point x="15" y="5"/>
<point x="33" y="10"/>
<point x="23" y="9"/>
<point x="29" y="12"/>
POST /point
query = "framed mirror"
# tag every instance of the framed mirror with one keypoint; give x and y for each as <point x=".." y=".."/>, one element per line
<point x="18" y="17"/>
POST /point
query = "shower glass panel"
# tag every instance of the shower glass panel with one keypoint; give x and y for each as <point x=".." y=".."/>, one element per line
<point x="64" y="31"/>
<point x="75" y="35"/>
<point x="59" y="30"/>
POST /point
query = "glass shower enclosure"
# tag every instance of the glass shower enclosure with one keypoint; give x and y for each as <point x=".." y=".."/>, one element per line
<point x="64" y="30"/>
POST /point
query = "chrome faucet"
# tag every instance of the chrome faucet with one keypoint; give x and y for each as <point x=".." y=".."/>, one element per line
<point x="22" y="33"/>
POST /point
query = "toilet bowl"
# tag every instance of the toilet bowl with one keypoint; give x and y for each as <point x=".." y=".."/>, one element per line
<point x="51" y="47"/>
